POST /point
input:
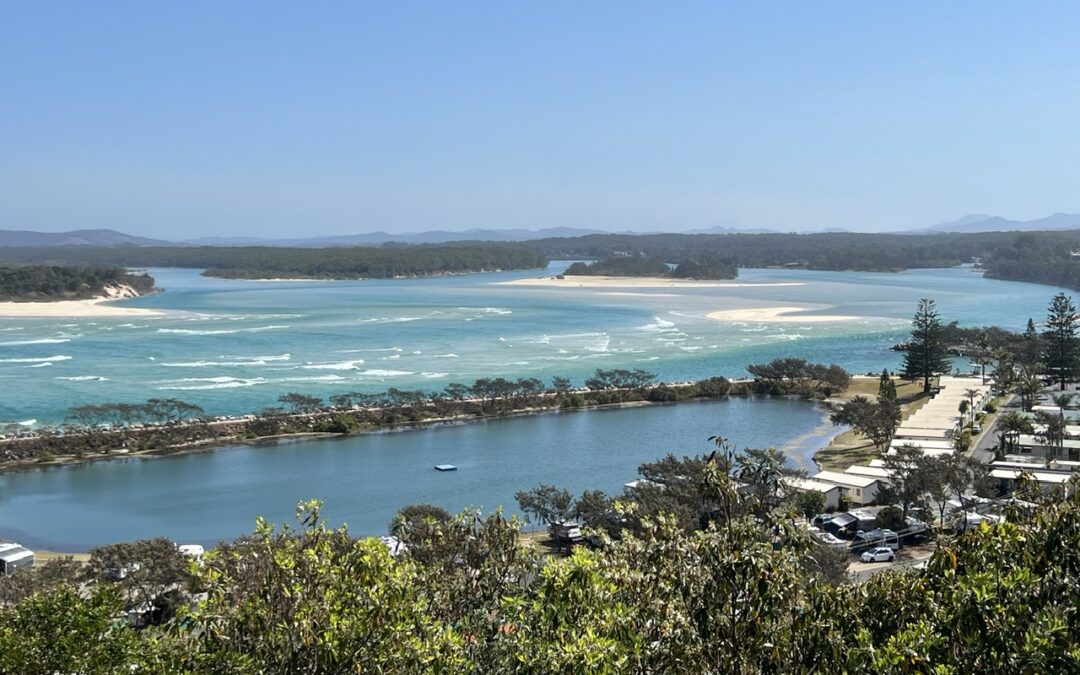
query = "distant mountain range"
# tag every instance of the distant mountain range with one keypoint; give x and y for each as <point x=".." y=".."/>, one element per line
<point x="75" y="238"/>
<point x="981" y="222"/>
<point x="378" y="238"/>
<point x="975" y="222"/>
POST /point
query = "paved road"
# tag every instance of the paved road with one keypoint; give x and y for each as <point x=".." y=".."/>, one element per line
<point x="987" y="441"/>
<point x="909" y="556"/>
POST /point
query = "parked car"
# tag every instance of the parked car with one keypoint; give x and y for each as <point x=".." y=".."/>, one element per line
<point x="878" y="555"/>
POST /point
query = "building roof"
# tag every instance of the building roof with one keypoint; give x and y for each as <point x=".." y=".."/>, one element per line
<point x="1040" y="476"/>
<point x="875" y="471"/>
<point x="11" y="552"/>
<point x="845" y="479"/>
<point x="810" y="484"/>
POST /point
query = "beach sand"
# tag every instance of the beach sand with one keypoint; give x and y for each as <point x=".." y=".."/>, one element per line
<point x="96" y="307"/>
<point x="777" y="315"/>
<point x="633" y="282"/>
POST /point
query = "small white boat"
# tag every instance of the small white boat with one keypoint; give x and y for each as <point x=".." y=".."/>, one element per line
<point x="445" y="467"/>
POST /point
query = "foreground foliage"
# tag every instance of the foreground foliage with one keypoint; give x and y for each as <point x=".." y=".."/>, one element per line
<point x="735" y="596"/>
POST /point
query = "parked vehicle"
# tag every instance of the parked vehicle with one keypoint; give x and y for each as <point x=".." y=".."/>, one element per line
<point x="878" y="555"/>
<point x="876" y="539"/>
<point x="567" y="532"/>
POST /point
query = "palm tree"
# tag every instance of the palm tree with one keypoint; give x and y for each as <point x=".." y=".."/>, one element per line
<point x="1062" y="401"/>
<point x="1053" y="434"/>
<point x="971" y="394"/>
<point x="1029" y="386"/>
<point x="1010" y="425"/>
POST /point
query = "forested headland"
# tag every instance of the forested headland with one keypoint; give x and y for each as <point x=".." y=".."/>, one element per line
<point x="47" y="283"/>
<point x="650" y="267"/>
<point x="268" y="262"/>
<point x="1040" y="257"/>
<point x="826" y="251"/>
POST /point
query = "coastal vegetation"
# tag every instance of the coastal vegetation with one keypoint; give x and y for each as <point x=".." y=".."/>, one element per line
<point x="926" y="354"/>
<point x="267" y="262"/>
<point x="164" y="426"/>
<point x="46" y="283"/>
<point x="826" y="251"/>
<point x="1041" y="257"/>
<point x="635" y="266"/>
<point x="732" y="585"/>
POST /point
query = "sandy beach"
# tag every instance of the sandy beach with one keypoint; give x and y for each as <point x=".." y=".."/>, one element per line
<point x="633" y="282"/>
<point x="777" y="315"/>
<point x="95" y="307"/>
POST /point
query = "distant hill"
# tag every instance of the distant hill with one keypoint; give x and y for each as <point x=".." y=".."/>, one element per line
<point x="379" y="238"/>
<point x="19" y="238"/>
<point x="720" y="229"/>
<point x="980" y="222"/>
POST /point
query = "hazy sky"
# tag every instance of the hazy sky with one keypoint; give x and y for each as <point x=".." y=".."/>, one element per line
<point x="297" y="119"/>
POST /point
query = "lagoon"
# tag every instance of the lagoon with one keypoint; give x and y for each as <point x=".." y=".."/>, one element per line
<point x="364" y="480"/>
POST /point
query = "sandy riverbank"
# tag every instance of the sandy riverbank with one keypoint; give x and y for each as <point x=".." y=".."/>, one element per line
<point x="777" y="315"/>
<point x="633" y="282"/>
<point x="94" y="307"/>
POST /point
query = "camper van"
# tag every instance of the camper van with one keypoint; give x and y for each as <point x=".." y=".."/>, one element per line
<point x="876" y="539"/>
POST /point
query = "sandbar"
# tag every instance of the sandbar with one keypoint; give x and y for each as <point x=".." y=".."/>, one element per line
<point x="778" y="315"/>
<point x="94" y="307"/>
<point x="634" y="282"/>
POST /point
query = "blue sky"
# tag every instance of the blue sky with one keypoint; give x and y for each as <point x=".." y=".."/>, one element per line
<point x="299" y="119"/>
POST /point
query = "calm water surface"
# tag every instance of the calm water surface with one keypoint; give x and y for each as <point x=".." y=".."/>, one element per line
<point x="365" y="479"/>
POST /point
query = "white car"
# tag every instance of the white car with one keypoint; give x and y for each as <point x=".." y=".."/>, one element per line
<point x="879" y="555"/>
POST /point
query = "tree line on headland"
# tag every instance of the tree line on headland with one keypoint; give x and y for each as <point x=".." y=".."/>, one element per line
<point x="29" y="283"/>
<point x="1041" y="257"/>
<point x="267" y="262"/>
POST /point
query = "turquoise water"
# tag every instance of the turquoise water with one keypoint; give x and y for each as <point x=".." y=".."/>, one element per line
<point x="365" y="479"/>
<point x="235" y="346"/>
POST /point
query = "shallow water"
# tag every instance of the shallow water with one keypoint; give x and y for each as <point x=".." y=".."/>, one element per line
<point x="235" y="346"/>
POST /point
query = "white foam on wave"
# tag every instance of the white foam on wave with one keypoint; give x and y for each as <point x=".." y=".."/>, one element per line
<point x="189" y="331"/>
<point x="313" y="378"/>
<point x="40" y="359"/>
<point x="83" y="378"/>
<point x="207" y="383"/>
<point x="658" y="325"/>
<point x="501" y="311"/>
<point x="41" y="365"/>
<point x="361" y="351"/>
<point x="433" y="376"/>
<point x="340" y="365"/>
<point x="39" y="341"/>
<point x="390" y="319"/>
<point x="376" y="372"/>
